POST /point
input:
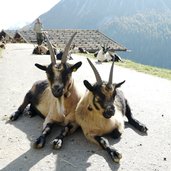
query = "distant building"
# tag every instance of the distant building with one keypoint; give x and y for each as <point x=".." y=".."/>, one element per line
<point x="8" y="35"/>
<point x="90" y="40"/>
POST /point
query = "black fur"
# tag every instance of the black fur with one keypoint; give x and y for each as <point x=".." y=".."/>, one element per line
<point x="40" y="86"/>
<point x="115" y="134"/>
<point x="33" y="111"/>
<point x="31" y="98"/>
<point x="57" y="142"/>
<point x="40" y="142"/>
<point x="134" y="122"/>
<point x="114" y="154"/>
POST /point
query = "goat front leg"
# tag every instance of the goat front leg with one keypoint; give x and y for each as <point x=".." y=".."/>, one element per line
<point x="68" y="129"/>
<point x="47" y="126"/>
<point x="114" y="154"/>
<point x="134" y="122"/>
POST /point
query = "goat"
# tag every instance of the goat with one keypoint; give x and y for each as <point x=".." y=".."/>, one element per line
<point x="75" y="49"/>
<point x="115" y="57"/>
<point x="101" y="54"/>
<point x="59" y="54"/>
<point x="42" y="50"/>
<point x="101" y="111"/>
<point x="2" y="45"/>
<point x="104" y="55"/>
<point x="54" y="98"/>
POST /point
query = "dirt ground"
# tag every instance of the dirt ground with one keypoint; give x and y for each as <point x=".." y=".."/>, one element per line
<point x="149" y="97"/>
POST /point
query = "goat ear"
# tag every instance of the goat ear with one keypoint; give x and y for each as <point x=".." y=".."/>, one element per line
<point x="42" y="67"/>
<point x="119" y="84"/>
<point x="88" y="85"/>
<point x="75" y="66"/>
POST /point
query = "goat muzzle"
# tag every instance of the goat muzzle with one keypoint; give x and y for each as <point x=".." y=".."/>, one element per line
<point x="58" y="90"/>
<point x="109" y="112"/>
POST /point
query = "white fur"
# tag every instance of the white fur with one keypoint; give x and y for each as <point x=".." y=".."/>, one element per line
<point x="108" y="56"/>
<point x="60" y="105"/>
<point x="100" y="56"/>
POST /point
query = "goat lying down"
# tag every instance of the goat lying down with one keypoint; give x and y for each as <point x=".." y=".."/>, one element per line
<point x="101" y="111"/>
<point x="42" y="50"/>
<point x="105" y="55"/>
<point x="55" y="98"/>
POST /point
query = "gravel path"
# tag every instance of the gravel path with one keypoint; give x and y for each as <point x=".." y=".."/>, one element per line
<point x="149" y="97"/>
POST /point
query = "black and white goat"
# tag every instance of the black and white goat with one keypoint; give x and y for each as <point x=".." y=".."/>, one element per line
<point x="76" y="49"/>
<point x="55" y="98"/>
<point x="59" y="54"/>
<point x="105" y="55"/>
<point x="101" y="111"/>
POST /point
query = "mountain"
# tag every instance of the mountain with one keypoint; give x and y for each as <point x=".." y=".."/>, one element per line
<point x="143" y="26"/>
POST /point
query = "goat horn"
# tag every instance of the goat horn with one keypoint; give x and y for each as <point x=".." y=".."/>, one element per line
<point x="111" y="74"/>
<point x="67" y="48"/>
<point x="52" y="54"/>
<point x="96" y="73"/>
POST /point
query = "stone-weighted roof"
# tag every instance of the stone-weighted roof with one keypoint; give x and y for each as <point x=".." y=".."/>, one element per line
<point x="7" y="34"/>
<point x="91" y="40"/>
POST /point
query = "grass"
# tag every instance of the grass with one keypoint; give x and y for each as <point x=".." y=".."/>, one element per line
<point x="159" y="72"/>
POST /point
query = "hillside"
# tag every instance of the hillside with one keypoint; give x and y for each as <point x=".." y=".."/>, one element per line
<point x="142" y="26"/>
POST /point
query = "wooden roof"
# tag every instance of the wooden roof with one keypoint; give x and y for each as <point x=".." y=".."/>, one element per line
<point x="7" y="34"/>
<point x="91" y="40"/>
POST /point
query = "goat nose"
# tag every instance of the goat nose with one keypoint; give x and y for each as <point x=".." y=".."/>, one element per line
<point x="109" y="112"/>
<point x="57" y="90"/>
<point x="56" y="87"/>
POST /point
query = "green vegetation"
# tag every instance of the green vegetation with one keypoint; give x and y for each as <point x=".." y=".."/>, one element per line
<point x="160" y="72"/>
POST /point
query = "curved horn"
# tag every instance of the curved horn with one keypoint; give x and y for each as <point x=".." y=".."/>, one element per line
<point x="111" y="74"/>
<point x="52" y="54"/>
<point x="65" y="53"/>
<point x="96" y="73"/>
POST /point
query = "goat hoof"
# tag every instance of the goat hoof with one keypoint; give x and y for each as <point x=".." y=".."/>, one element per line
<point x="14" y="116"/>
<point x="57" y="143"/>
<point x="143" y="129"/>
<point x="116" y="156"/>
<point x="39" y="143"/>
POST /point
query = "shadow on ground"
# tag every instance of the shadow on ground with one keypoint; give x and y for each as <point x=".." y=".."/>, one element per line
<point x="77" y="153"/>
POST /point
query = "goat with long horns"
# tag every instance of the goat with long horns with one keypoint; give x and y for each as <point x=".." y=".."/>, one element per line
<point x="54" y="98"/>
<point x="101" y="111"/>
